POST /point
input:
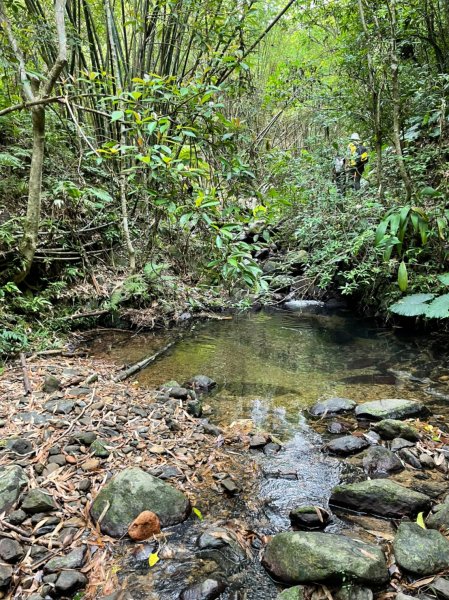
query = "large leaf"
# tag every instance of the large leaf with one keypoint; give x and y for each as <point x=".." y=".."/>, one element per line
<point x="438" y="308"/>
<point x="412" y="306"/>
<point x="402" y="277"/>
<point x="380" y="231"/>
<point x="444" y="278"/>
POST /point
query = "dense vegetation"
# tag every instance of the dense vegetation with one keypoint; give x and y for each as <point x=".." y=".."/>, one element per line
<point x="159" y="157"/>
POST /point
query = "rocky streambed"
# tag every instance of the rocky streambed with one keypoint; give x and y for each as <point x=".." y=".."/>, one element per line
<point x="115" y="491"/>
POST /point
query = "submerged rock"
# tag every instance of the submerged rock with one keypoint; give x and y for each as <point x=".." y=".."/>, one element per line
<point x="392" y="428"/>
<point x="420" y="551"/>
<point x="380" y="497"/>
<point x="130" y="493"/>
<point x="348" y="444"/>
<point x="301" y="557"/>
<point x="332" y="407"/>
<point x="391" y="408"/>
<point x="379" y="462"/>
<point x="206" y="590"/>
<point x="13" y="480"/>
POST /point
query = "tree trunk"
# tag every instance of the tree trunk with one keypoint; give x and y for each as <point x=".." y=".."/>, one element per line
<point x="28" y="243"/>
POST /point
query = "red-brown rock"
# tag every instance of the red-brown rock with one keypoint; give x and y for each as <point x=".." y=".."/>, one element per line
<point x="144" y="526"/>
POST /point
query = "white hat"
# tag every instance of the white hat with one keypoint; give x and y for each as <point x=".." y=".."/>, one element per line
<point x="355" y="137"/>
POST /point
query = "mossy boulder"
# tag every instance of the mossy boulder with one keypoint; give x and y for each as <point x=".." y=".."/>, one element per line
<point x="391" y="408"/>
<point x="392" y="428"/>
<point x="380" y="497"/>
<point x="302" y="557"/>
<point x="420" y="551"/>
<point x="13" y="480"/>
<point x="439" y="518"/>
<point x="293" y="593"/>
<point x="130" y="493"/>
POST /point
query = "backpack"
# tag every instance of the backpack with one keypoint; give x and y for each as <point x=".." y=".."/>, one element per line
<point x="359" y="155"/>
<point x="339" y="165"/>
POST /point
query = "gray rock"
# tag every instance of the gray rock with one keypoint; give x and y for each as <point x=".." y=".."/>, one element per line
<point x="179" y="393"/>
<point x="293" y="593"/>
<point x="59" y="407"/>
<point x="441" y="587"/>
<point x="5" y="576"/>
<point x="391" y="408"/>
<point x="308" y="517"/>
<point x="230" y="486"/>
<point x="211" y="429"/>
<point x="420" y="551"/>
<point x="348" y="444"/>
<point x="85" y="437"/>
<point x="37" y="501"/>
<point x="335" y="427"/>
<point x="379" y="462"/>
<point x="73" y="560"/>
<point x="391" y="428"/>
<point x="120" y="595"/>
<point x="354" y="592"/>
<point x="131" y="492"/>
<point x="381" y="497"/>
<point x="426" y="461"/>
<point x="84" y="485"/>
<point x="51" y="384"/>
<point x="410" y="458"/>
<point x="69" y="582"/>
<point x="332" y="407"/>
<point x="206" y="590"/>
<point x="301" y="557"/>
<point x="99" y="448"/>
<point x="372" y="437"/>
<point x="401" y="443"/>
<point x="35" y="597"/>
<point x="17" y="517"/>
<point x="57" y="459"/>
<point x="13" y="480"/>
<point x="439" y="517"/>
<point x="10" y="550"/>
<point x="195" y="408"/>
<point x="402" y="596"/>
<point x="19" y="445"/>
<point x="202" y="383"/>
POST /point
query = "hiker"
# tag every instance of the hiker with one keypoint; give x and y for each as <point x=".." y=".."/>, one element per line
<point x="356" y="161"/>
<point x="339" y="174"/>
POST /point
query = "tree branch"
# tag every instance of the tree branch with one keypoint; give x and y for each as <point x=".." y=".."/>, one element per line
<point x="14" y="107"/>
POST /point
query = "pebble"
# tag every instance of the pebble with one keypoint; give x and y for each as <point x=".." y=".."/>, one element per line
<point x="84" y="485"/>
<point x="19" y="446"/>
<point x="229" y="486"/>
<point x="85" y="437"/>
<point x="10" y="550"/>
<point x="91" y="464"/>
<point x="17" y="517"/>
<point x="5" y="576"/>
<point x="57" y="459"/>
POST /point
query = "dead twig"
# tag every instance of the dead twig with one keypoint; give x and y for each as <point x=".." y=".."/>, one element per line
<point x="26" y="379"/>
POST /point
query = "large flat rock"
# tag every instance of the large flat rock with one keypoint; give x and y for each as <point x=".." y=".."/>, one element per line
<point x="420" y="551"/>
<point x="300" y="557"/>
<point x="332" y="407"/>
<point x="130" y="493"/>
<point x="391" y="408"/>
<point x="380" y="497"/>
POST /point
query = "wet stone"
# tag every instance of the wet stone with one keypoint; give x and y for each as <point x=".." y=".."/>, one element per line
<point x="331" y="407"/>
<point x="420" y="551"/>
<point x="206" y="590"/>
<point x="380" y="462"/>
<point x="335" y="427"/>
<point x="37" y="501"/>
<point x="391" y="408"/>
<point x="400" y="443"/>
<point x="10" y="550"/>
<point x="309" y="517"/>
<point x="348" y="444"/>
<point x="69" y="582"/>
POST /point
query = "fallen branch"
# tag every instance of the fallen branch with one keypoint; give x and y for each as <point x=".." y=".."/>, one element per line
<point x="93" y="313"/>
<point x="142" y="364"/>
<point x="26" y="379"/>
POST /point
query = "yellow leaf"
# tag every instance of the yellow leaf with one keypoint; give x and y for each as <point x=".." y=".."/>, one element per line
<point x="153" y="559"/>
<point x="198" y="513"/>
<point x="420" y="520"/>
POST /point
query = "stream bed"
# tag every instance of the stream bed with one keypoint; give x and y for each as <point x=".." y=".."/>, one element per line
<point x="270" y="367"/>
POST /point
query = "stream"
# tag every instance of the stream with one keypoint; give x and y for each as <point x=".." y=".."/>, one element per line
<point x="270" y="366"/>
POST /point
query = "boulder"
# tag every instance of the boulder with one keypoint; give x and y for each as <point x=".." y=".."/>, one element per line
<point x="354" y="592"/>
<point x="69" y="582"/>
<point x="206" y="590"/>
<point x="130" y="493"/>
<point x="439" y="517"/>
<point x="392" y="408"/>
<point x="379" y="462"/>
<point x="301" y="557"/>
<point x="348" y="444"/>
<point x="38" y="501"/>
<point x="309" y="517"/>
<point x="380" y="497"/>
<point x="420" y="551"/>
<point x="293" y="593"/>
<point x="332" y="407"/>
<point x="10" y="550"/>
<point x="392" y="428"/>
<point x="13" y="480"/>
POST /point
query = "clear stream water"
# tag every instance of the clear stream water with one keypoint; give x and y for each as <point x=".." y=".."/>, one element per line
<point x="270" y="367"/>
